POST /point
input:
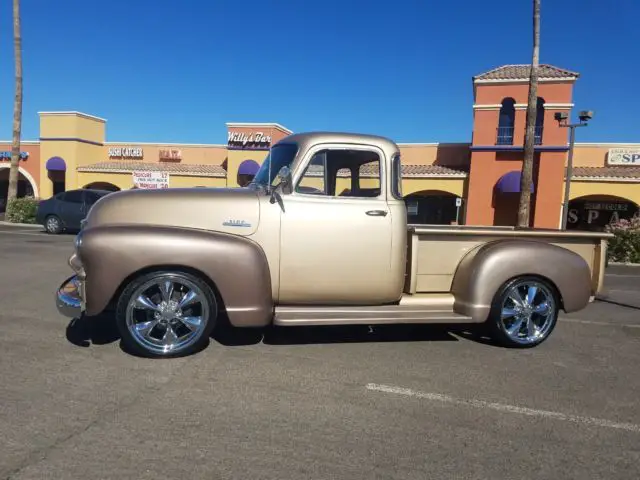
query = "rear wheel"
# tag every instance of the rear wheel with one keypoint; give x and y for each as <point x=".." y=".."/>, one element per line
<point x="524" y="312"/>
<point x="53" y="224"/>
<point x="166" y="314"/>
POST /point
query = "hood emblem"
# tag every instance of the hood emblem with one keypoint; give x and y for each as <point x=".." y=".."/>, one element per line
<point x="236" y="223"/>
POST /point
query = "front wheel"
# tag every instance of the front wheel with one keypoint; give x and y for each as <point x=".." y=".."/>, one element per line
<point x="524" y="312"/>
<point x="166" y="314"/>
<point x="53" y="224"/>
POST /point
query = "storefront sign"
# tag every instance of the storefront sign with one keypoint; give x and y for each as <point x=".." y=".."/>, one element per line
<point x="7" y="155"/>
<point x="624" y="156"/>
<point x="249" y="140"/>
<point x="125" y="152"/>
<point x="170" y="154"/>
<point x="151" y="180"/>
<point x="596" y="215"/>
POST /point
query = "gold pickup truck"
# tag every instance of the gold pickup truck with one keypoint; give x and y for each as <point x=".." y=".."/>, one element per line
<point x="319" y="238"/>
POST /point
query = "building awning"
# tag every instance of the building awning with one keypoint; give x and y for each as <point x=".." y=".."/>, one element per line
<point x="510" y="182"/>
<point x="248" y="167"/>
<point x="56" y="164"/>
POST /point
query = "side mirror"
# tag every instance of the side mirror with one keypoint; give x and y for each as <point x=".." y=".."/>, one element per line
<point x="285" y="182"/>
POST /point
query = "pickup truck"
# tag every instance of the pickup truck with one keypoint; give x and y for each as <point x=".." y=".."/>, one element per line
<point x="320" y="237"/>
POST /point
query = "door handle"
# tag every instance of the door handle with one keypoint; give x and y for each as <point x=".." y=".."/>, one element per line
<point x="377" y="213"/>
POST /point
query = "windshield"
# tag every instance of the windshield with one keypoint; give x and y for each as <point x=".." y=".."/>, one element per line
<point x="280" y="155"/>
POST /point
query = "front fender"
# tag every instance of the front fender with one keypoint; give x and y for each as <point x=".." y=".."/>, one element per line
<point x="482" y="272"/>
<point x="236" y="265"/>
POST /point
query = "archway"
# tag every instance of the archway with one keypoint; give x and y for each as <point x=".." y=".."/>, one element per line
<point x="102" y="186"/>
<point x="246" y="171"/>
<point x="26" y="184"/>
<point x="432" y="207"/>
<point x="595" y="212"/>
<point x="506" y="198"/>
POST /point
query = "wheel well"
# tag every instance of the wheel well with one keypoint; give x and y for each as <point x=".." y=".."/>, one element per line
<point x="174" y="268"/>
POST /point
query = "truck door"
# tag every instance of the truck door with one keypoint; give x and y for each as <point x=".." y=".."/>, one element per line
<point x="335" y="241"/>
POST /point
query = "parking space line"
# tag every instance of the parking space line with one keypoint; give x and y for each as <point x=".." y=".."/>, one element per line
<point x="596" y="322"/>
<point x="504" y="408"/>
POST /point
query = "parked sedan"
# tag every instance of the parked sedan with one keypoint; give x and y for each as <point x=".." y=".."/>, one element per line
<point x="66" y="210"/>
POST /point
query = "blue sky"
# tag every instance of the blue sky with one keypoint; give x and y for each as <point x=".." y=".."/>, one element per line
<point x="176" y="71"/>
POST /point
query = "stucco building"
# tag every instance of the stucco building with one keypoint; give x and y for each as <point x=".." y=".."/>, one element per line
<point x="475" y="183"/>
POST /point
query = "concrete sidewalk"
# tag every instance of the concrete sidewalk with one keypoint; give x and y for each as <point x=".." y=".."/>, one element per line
<point x="22" y="225"/>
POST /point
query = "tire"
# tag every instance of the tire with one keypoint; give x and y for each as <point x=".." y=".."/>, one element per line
<point x="53" y="224"/>
<point x="506" y="330"/>
<point x="143" y="325"/>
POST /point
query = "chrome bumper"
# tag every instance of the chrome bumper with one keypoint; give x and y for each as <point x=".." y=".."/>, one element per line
<point x="70" y="297"/>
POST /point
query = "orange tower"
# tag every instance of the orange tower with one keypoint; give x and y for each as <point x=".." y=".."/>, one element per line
<point x="497" y="146"/>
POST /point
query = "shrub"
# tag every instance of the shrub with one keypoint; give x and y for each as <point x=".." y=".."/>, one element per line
<point x="625" y="246"/>
<point x="22" y="210"/>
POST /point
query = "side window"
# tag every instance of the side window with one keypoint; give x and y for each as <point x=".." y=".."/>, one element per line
<point x="91" y="197"/>
<point x="368" y="184"/>
<point x="313" y="181"/>
<point x="73" y="196"/>
<point x="396" y="177"/>
<point x="342" y="173"/>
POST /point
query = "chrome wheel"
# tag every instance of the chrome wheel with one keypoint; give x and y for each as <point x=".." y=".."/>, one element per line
<point x="528" y="312"/>
<point x="167" y="314"/>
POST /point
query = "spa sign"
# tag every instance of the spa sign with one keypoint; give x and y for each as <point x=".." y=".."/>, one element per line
<point x="624" y="156"/>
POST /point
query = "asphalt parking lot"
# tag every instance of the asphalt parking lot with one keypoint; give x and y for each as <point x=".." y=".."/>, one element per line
<point x="405" y="403"/>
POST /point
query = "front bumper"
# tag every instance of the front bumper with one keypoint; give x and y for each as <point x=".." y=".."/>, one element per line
<point x="70" y="297"/>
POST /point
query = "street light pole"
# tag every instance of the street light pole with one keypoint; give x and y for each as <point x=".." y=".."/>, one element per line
<point x="561" y="117"/>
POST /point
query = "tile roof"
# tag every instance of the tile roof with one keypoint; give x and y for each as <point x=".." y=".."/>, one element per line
<point x="517" y="72"/>
<point x="181" y="169"/>
<point x="417" y="171"/>
<point x="627" y="173"/>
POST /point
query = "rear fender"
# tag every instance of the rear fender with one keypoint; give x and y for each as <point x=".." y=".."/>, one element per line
<point x="237" y="266"/>
<point x="484" y="270"/>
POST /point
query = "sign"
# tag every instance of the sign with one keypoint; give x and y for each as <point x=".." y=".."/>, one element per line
<point x="7" y="155"/>
<point x="151" y="180"/>
<point x="412" y="208"/>
<point x="170" y="154"/>
<point x="125" y="152"/>
<point x="248" y="140"/>
<point x="590" y="215"/>
<point x="624" y="156"/>
<point x="458" y="202"/>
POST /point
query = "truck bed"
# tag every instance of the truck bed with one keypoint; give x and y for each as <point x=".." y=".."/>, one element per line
<point x="435" y="251"/>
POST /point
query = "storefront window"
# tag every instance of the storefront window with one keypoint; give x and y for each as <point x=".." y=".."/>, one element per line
<point x="279" y="156"/>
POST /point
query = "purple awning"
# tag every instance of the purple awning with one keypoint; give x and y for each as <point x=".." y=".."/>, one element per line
<point x="510" y="183"/>
<point x="248" y="167"/>
<point x="56" y="164"/>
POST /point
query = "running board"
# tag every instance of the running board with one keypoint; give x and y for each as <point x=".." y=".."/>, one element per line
<point x="391" y="314"/>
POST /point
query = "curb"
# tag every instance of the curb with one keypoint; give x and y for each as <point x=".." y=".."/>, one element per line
<point x="11" y="224"/>
<point x="622" y="264"/>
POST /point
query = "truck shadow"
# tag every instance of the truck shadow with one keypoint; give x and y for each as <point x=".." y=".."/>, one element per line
<point x="101" y="330"/>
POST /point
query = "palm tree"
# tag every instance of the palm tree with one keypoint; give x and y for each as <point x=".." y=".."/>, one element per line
<point x="17" y="105"/>
<point x="526" y="179"/>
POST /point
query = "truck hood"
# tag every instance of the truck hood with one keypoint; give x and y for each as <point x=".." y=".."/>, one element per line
<point x="229" y="210"/>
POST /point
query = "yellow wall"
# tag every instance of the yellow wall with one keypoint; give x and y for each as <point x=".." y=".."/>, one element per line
<point x="67" y="128"/>
<point x="236" y="157"/>
<point x="630" y="191"/>
<point x="452" y="185"/>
